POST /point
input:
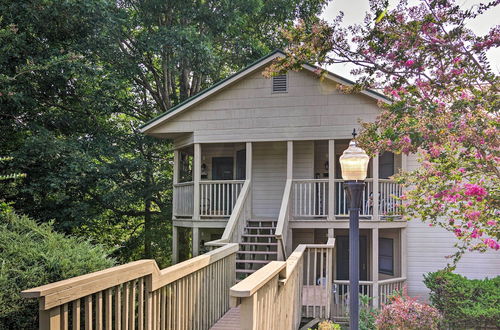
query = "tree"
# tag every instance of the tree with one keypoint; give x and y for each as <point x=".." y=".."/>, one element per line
<point x="74" y="92"/>
<point x="445" y="105"/>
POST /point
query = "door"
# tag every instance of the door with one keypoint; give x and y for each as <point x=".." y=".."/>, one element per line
<point x="342" y="244"/>
<point x="241" y="164"/>
<point x="222" y="168"/>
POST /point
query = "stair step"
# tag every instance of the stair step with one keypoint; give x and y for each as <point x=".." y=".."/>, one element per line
<point x="258" y="252"/>
<point x="246" y="271"/>
<point x="258" y="235"/>
<point x="253" y="261"/>
<point x="258" y="243"/>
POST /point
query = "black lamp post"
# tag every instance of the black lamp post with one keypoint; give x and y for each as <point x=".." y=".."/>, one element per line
<point x="354" y="164"/>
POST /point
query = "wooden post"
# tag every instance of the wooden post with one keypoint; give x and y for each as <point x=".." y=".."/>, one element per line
<point x="50" y="319"/>
<point x="404" y="252"/>
<point x="249" y="153"/>
<point x="331" y="180"/>
<point x="196" y="241"/>
<point x="175" y="245"/>
<point x="375" y="267"/>
<point x="375" y="196"/>
<point x="289" y="160"/>
<point x="196" y="180"/>
<point x="248" y="176"/>
<point x="175" y="180"/>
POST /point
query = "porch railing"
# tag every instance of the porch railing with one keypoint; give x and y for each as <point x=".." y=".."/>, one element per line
<point x="387" y="288"/>
<point x="193" y="294"/>
<point x="275" y="296"/>
<point x="310" y="198"/>
<point x="388" y="203"/>
<point x="183" y="199"/>
<point x="341" y="207"/>
<point x="217" y="198"/>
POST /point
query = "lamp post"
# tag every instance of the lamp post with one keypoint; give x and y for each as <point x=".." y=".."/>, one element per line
<point x="354" y="164"/>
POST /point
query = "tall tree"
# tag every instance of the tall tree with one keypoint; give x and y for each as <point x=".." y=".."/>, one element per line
<point x="77" y="79"/>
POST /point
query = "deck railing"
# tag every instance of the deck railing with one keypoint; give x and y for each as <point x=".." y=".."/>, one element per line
<point x="273" y="297"/>
<point x="238" y="218"/>
<point x="310" y="198"/>
<point x="387" y="288"/>
<point x="183" y="199"/>
<point x="193" y="294"/>
<point x="341" y="207"/>
<point x="217" y="198"/>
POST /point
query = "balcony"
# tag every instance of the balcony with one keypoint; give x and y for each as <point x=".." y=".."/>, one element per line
<point x="310" y="200"/>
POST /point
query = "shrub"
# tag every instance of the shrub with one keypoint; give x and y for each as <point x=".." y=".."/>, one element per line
<point x="328" y="325"/>
<point x="407" y="313"/>
<point x="465" y="302"/>
<point x="367" y="314"/>
<point x="33" y="254"/>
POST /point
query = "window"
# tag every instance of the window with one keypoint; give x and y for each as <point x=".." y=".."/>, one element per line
<point x="280" y="84"/>
<point x="386" y="256"/>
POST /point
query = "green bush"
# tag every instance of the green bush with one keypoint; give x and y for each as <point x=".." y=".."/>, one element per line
<point x="32" y="255"/>
<point x="464" y="302"/>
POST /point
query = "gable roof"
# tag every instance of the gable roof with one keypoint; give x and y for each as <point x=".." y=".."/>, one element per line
<point x="195" y="99"/>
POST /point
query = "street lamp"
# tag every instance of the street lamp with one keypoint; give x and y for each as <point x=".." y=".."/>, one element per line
<point x="354" y="164"/>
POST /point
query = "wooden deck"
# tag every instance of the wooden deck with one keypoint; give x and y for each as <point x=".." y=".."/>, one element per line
<point x="229" y="321"/>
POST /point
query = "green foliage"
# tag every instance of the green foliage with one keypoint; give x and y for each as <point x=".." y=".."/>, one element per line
<point x="464" y="302"/>
<point x="328" y="325"/>
<point x="367" y="314"/>
<point x="33" y="254"/>
<point x="73" y="94"/>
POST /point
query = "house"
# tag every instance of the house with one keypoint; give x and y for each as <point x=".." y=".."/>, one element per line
<point x="257" y="180"/>
<point x="284" y="137"/>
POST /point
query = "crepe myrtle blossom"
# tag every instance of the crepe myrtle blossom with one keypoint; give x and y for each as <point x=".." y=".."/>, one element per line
<point x="442" y="107"/>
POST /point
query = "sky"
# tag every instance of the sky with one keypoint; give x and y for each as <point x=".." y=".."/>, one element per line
<point x="354" y="12"/>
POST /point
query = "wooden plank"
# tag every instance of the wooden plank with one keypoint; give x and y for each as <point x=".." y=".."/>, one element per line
<point x="76" y="314"/>
<point x="251" y="284"/>
<point x="50" y="319"/>
<point x="88" y="312"/>
<point x="140" y="305"/>
<point x="118" y="307"/>
<point x="131" y="317"/>
<point x="108" y="309"/>
<point x="98" y="313"/>
<point x="130" y="269"/>
<point x="64" y="317"/>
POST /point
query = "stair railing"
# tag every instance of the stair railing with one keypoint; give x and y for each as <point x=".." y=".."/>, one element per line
<point x="283" y="218"/>
<point x="193" y="293"/>
<point x="237" y="220"/>
<point x="279" y="294"/>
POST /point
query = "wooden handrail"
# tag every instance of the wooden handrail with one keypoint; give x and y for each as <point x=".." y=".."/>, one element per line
<point x="271" y="298"/>
<point x="59" y="293"/>
<point x="233" y="219"/>
<point x="283" y="217"/>
<point x="392" y="280"/>
<point x="181" y="184"/>
<point x="221" y="181"/>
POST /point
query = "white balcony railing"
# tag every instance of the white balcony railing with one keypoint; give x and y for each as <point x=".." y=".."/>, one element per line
<point x="217" y="198"/>
<point x="388" y="203"/>
<point x="341" y="207"/>
<point x="183" y="199"/>
<point x="309" y="198"/>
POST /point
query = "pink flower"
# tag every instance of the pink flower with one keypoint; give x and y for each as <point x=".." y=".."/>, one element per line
<point x="461" y="170"/>
<point x="475" y="190"/>
<point x="491" y="223"/>
<point x="409" y="63"/>
<point x="474" y="215"/>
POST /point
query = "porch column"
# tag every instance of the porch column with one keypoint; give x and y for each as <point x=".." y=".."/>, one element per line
<point x="375" y="267"/>
<point x="175" y="245"/>
<point x="375" y="194"/>
<point x="289" y="160"/>
<point x="196" y="180"/>
<point x="404" y="252"/>
<point x="175" y="181"/>
<point x="331" y="180"/>
<point x="248" y="176"/>
<point x="196" y="241"/>
<point x="248" y="166"/>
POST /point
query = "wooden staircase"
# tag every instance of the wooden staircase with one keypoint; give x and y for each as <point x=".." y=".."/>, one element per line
<point x="258" y="247"/>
